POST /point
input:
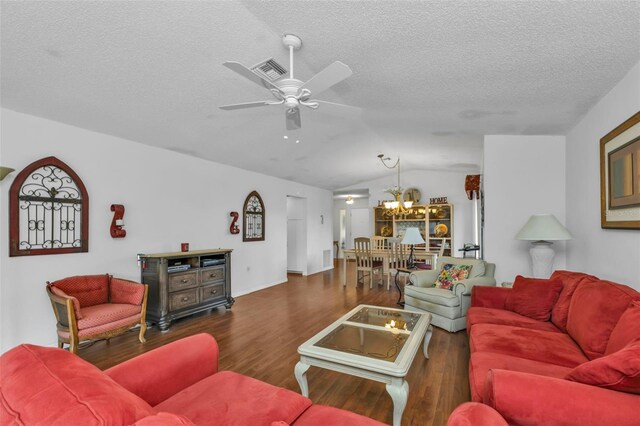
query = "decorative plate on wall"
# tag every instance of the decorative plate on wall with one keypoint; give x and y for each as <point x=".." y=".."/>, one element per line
<point x="441" y="230"/>
<point x="386" y="231"/>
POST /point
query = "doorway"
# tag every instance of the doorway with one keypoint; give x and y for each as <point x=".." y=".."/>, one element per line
<point x="357" y="225"/>
<point x="296" y="235"/>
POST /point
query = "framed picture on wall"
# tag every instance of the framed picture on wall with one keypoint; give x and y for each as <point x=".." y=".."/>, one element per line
<point x="620" y="176"/>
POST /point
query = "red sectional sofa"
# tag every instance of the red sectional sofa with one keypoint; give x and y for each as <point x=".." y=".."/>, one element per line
<point x="176" y="384"/>
<point x="578" y="366"/>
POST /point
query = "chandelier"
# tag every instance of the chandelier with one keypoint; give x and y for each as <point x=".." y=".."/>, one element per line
<point x="396" y="207"/>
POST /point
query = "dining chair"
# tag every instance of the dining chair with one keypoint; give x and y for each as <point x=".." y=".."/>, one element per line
<point x="365" y="263"/>
<point x="378" y="243"/>
<point x="443" y="245"/>
<point x="398" y="256"/>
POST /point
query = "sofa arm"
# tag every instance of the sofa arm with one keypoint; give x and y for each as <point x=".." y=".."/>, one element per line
<point x="489" y="297"/>
<point x="475" y="413"/>
<point x="523" y="398"/>
<point x="156" y="375"/>
<point x="463" y="287"/>
<point x="425" y="278"/>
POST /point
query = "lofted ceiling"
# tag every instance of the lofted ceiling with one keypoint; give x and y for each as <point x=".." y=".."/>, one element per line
<point x="432" y="77"/>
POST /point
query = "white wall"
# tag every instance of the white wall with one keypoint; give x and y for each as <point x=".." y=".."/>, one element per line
<point x="523" y="175"/>
<point x="431" y="184"/>
<point x="612" y="254"/>
<point x="169" y="198"/>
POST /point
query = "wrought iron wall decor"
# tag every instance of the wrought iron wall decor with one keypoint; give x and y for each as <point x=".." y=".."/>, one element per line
<point x="48" y="210"/>
<point x="253" y="215"/>
<point x="117" y="223"/>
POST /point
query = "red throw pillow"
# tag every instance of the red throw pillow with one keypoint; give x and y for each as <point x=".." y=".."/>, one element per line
<point x="619" y="371"/>
<point x="626" y="330"/>
<point x="533" y="297"/>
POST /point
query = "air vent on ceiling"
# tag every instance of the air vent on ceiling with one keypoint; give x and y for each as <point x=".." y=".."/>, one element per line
<point x="269" y="69"/>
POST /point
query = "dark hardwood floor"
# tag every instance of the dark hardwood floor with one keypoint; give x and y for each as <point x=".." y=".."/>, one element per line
<point x="260" y="335"/>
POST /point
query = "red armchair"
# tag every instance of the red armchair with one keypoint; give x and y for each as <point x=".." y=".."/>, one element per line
<point x="96" y="307"/>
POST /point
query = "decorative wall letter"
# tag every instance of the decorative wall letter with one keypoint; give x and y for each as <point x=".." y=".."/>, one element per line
<point x="48" y="210"/>
<point x="118" y="222"/>
<point x="234" y="228"/>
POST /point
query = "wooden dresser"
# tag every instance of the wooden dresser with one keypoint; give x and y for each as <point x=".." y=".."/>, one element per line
<point x="183" y="283"/>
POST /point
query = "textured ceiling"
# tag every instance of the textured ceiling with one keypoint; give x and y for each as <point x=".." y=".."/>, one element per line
<point x="431" y="77"/>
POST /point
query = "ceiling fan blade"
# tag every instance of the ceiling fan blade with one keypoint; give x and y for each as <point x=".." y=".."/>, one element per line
<point x="333" y="74"/>
<point x="337" y="108"/>
<point x="245" y="105"/>
<point x="247" y="73"/>
<point x="293" y="119"/>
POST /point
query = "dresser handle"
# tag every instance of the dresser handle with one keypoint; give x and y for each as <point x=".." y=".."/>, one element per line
<point x="185" y="299"/>
<point x="185" y="280"/>
<point x="214" y="291"/>
<point x="213" y="274"/>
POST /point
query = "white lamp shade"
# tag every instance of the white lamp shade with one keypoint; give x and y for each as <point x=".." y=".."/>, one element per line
<point x="412" y="236"/>
<point x="543" y="227"/>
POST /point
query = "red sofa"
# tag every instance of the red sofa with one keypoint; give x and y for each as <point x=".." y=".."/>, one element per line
<point x="176" y="384"/>
<point x="578" y="366"/>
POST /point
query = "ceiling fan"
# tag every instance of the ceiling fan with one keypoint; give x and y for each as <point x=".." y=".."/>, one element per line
<point x="290" y="92"/>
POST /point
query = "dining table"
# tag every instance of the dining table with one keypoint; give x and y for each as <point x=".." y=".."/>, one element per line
<point x="423" y="256"/>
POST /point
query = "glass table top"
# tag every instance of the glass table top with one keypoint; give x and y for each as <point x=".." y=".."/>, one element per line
<point x="387" y="318"/>
<point x="372" y="332"/>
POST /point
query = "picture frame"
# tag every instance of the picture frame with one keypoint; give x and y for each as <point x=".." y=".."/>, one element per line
<point x="620" y="176"/>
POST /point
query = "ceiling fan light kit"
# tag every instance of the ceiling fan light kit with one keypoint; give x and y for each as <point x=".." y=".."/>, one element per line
<point x="291" y="92"/>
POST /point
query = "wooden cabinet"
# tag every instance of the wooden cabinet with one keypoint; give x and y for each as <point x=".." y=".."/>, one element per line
<point x="394" y="226"/>
<point x="183" y="283"/>
<point x="440" y="222"/>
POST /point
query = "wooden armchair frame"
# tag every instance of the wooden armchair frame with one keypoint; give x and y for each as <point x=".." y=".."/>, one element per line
<point x="66" y="321"/>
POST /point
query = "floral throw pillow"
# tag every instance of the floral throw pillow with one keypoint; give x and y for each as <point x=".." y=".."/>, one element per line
<point x="450" y="274"/>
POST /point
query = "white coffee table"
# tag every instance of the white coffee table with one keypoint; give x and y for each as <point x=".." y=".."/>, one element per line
<point x="366" y="343"/>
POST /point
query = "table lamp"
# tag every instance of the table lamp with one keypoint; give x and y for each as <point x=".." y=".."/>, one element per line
<point x="412" y="236"/>
<point x="542" y="230"/>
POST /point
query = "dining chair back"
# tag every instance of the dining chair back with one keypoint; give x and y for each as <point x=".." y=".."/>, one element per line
<point x="366" y="265"/>
<point x="398" y="255"/>
<point x="443" y="245"/>
<point x="378" y="243"/>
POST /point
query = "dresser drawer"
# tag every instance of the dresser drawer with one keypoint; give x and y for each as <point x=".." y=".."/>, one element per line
<point x="183" y="299"/>
<point x="183" y="281"/>
<point x="211" y="275"/>
<point x="211" y="292"/>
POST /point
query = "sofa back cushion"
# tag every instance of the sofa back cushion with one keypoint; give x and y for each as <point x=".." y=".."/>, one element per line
<point x="49" y="386"/>
<point x="594" y="311"/>
<point x="626" y="330"/>
<point x="88" y="289"/>
<point x="618" y="371"/>
<point x="477" y="266"/>
<point x="533" y="297"/>
<point x="570" y="281"/>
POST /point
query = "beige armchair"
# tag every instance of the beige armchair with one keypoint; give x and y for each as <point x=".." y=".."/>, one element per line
<point x="448" y="308"/>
